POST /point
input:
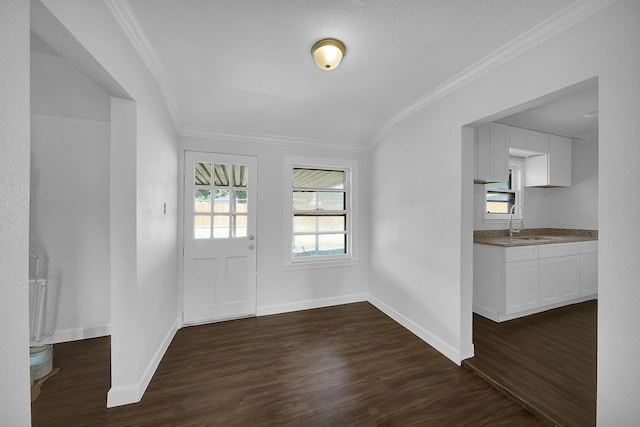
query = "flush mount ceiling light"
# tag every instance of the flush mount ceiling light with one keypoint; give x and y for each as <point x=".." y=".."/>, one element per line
<point x="328" y="53"/>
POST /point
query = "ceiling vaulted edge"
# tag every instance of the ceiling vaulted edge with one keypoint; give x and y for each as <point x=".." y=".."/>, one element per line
<point x="559" y="21"/>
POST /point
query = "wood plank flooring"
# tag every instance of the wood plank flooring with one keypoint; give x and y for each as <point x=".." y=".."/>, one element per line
<point x="546" y="361"/>
<point x="347" y="365"/>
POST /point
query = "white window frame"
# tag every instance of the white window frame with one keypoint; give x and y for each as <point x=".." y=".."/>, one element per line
<point x="351" y="184"/>
<point x="517" y="182"/>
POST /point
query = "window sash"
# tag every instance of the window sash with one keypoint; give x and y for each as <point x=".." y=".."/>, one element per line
<point x="320" y="242"/>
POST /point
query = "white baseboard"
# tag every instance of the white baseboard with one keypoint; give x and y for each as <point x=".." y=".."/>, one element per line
<point x="66" y="335"/>
<point x="500" y="317"/>
<point x="422" y="333"/>
<point x="309" y="304"/>
<point x="132" y="393"/>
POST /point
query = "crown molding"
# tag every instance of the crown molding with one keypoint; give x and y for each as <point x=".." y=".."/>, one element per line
<point x="565" y="18"/>
<point x="196" y="132"/>
<point x="125" y="16"/>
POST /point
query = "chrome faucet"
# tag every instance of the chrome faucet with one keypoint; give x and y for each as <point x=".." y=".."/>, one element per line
<point x="519" y="227"/>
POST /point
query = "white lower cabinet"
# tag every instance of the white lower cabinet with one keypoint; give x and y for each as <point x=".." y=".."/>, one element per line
<point x="511" y="282"/>
<point x="588" y="268"/>
<point x="521" y="286"/>
<point x="558" y="279"/>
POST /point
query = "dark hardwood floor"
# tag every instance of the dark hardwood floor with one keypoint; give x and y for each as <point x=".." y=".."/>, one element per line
<point x="546" y="361"/>
<point x="346" y="365"/>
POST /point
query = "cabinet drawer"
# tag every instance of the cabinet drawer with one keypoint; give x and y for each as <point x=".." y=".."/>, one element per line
<point x="558" y="249"/>
<point x="588" y="247"/>
<point x="521" y="253"/>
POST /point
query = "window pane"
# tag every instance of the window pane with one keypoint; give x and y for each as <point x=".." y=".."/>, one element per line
<point x="323" y="244"/>
<point x="331" y="201"/>
<point x="500" y="202"/>
<point x="504" y="185"/>
<point x="320" y="200"/>
<point x="240" y="226"/>
<point x="318" y="178"/>
<point x="304" y="245"/>
<point x="202" y="173"/>
<point x="241" y="201"/>
<point x="314" y="224"/>
<point x="304" y="200"/>
<point x="221" y="202"/>
<point x="202" y="200"/>
<point x="202" y="227"/>
<point x="240" y="175"/>
<point x="332" y="244"/>
<point x="221" y="227"/>
<point x="221" y="175"/>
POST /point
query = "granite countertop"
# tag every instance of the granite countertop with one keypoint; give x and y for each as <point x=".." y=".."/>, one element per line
<point x="534" y="236"/>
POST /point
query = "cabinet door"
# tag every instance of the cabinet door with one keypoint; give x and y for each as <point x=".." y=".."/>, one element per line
<point x="558" y="279"/>
<point x="559" y="161"/>
<point x="536" y="171"/>
<point x="521" y="286"/>
<point x="588" y="274"/>
<point x="492" y="150"/>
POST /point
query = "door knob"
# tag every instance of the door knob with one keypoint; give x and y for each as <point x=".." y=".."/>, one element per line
<point x="252" y="247"/>
<point x="251" y="237"/>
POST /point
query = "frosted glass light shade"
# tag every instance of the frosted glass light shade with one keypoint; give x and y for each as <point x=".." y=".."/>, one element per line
<point x="328" y="53"/>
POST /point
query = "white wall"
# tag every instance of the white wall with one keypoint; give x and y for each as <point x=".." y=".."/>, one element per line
<point x="151" y="319"/>
<point x="69" y="226"/>
<point x="577" y="206"/>
<point x="14" y="214"/>
<point x="572" y="207"/>
<point x="417" y="271"/>
<point x="280" y="289"/>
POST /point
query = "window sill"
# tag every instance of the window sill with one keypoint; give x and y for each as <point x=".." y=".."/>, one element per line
<point x="304" y="265"/>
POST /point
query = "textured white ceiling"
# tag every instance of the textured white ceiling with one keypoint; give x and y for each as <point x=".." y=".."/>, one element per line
<point x="244" y="67"/>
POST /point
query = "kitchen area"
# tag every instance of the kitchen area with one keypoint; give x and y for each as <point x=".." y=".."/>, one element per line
<point x="535" y="255"/>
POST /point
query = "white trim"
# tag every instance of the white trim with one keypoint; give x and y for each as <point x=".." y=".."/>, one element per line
<point x="424" y="334"/>
<point x="132" y="393"/>
<point x="290" y="307"/>
<point x="196" y="132"/>
<point x="75" y="334"/>
<point x="127" y="19"/>
<point x="570" y="15"/>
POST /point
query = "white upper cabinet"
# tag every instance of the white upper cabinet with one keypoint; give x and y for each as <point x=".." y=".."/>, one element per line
<point x="492" y="153"/>
<point x="552" y="169"/>
<point x="525" y="142"/>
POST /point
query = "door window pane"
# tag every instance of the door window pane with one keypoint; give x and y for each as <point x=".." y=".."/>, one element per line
<point x="202" y="199"/>
<point x="221" y="175"/>
<point x="202" y="226"/>
<point x="240" y="226"/>
<point x="241" y="201"/>
<point x="221" y="203"/>
<point x="221" y="227"/>
<point x="240" y="176"/>
<point x="202" y="173"/>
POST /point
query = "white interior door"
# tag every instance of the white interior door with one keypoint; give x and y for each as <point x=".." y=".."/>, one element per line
<point x="219" y="237"/>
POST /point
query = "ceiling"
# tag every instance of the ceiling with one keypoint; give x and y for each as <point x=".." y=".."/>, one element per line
<point x="244" y="68"/>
